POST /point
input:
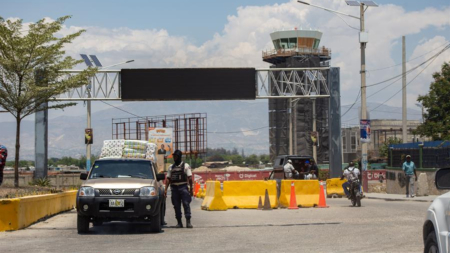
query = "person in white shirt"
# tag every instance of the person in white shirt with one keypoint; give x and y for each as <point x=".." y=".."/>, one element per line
<point x="351" y="173"/>
<point x="289" y="170"/>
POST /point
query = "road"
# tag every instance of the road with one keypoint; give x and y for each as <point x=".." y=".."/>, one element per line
<point x="377" y="226"/>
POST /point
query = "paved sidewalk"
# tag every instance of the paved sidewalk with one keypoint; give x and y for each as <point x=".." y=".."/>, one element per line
<point x="399" y="197"/>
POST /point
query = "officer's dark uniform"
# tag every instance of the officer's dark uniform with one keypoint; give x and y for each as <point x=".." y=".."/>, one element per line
<point x="3" y="155"/>
<point x="181" y="193"/>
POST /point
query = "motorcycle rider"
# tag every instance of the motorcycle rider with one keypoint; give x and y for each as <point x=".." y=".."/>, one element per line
<point x="351" y="173"/>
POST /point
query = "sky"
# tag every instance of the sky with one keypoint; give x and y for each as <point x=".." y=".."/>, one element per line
<point x="202" y="33"/>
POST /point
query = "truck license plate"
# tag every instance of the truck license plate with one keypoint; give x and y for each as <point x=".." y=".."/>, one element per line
<point x="116" y="203"/>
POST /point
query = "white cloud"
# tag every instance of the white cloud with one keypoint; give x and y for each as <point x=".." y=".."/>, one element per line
<point x="246" y="34"/>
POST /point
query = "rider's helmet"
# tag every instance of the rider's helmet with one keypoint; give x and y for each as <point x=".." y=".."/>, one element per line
<point x="289" y="161"/>
<point x="351" y="164"/>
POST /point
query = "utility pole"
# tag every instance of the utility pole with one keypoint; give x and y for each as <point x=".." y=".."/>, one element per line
<point x="364" y="156"/>
<point x="290" y="128"/>
<point x="88" y="146"/>
<point x="404" y="115"/>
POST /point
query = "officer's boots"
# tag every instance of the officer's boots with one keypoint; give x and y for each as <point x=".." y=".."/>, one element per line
<point x="180" y="224"/>
<point x="188" y="223"/>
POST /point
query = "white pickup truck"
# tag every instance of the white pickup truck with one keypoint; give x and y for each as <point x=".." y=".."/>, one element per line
<point x="436" y="235"/>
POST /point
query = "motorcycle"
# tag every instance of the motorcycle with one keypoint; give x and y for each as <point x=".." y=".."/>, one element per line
<point x="355" y="193"/>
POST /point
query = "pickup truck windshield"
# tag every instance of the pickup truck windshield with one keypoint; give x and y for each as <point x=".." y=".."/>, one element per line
<point x="122" y="169"/>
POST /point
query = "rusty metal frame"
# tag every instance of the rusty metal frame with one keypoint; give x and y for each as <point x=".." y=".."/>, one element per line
<point x="190" y="130"/>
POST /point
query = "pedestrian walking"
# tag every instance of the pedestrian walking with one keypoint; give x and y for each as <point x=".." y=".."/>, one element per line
<point x="3" y="155"/>
<point x="179" y="176"/>
<point x="410" y="172"/>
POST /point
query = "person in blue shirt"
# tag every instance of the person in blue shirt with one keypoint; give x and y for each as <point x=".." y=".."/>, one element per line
<point x="410" y="172"/>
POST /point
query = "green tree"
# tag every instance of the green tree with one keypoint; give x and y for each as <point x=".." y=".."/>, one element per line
<point x="31" y="60"/>
<point x="251" y="160"/>
<point x="437" y="104"/>
<point x="265" y="159"/>
<point x="385" y="146"/>
<point x="237" y="159"/>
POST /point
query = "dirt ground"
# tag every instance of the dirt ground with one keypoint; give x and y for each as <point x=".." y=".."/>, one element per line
<point x="22" y="191"/>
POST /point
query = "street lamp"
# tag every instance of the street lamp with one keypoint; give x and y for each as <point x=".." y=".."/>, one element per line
<point x="117" y="64"/>
<point x="363" y="39"/>
<point x="88" y="102"/>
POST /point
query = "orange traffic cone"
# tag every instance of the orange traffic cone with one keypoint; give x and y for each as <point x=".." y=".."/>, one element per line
<point x="196" y="187"/>
<point x="293" y="203"/>
<point x="322" y="201"/>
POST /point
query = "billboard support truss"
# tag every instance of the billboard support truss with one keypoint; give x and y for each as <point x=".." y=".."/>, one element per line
<point x="104" y="85"/>
<point x="269" y="83"/>
<point x="292" y="83"/>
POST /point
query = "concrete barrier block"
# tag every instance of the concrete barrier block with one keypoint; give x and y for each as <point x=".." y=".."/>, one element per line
<point x="422" y="185"/>
<point x="334" y="187"/>
<point x="9" y="218"/>
<point x="22" y="212"/>
<point x="306" y="192"/>
<point x="214" y="197"/>
<point x="245" y="194"/>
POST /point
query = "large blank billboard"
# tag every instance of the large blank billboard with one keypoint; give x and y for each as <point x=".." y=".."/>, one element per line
<point x="188" y="84"/>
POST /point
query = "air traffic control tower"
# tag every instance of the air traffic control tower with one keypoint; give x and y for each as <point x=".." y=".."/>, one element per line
<point x="298" y="49"/>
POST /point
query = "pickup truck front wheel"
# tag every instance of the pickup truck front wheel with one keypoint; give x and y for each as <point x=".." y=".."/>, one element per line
<point x="155" y="223"/>
<point x="82" y="224"/>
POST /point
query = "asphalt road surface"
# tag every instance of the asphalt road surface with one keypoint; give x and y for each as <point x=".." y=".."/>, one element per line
<point x="377" y="226"/>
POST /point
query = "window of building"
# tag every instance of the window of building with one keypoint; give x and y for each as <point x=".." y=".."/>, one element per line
<point x="292" y="42"/>
<point x="344" y="144"/>
<point x="316" y="43"/>
<point x="354" y="142"/>
<point x="277" y="44"/>
<point x="284" y="43"/>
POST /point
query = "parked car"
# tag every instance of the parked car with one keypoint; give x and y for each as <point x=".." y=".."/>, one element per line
<point x="278" y="166"/>
<point x="436" y="235"/>
<point x="121" y="190"/>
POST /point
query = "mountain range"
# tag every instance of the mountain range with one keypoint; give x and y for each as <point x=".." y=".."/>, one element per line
<point x="66" y="133"/>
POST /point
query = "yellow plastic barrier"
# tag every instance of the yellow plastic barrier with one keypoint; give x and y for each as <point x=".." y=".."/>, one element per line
<point x="213" y="198"/>
<point x="22" y="212"/>
<point x="245" y="194"/>
<point x="306" y="192"/>
<point x="334" y="187"/>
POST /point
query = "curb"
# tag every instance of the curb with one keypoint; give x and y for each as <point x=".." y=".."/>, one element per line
<point x="397" y="199"/>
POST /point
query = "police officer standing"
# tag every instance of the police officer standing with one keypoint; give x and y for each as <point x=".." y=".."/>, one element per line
<point x="3" y="155"/>
<point x="179" y="176"/>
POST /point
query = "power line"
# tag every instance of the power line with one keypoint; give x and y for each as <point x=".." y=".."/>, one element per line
<point x="431" y="58"/>
<point x="400" y="76"/>
<point x="123" y="110"/>
<point x="410" y="70"/>
<point x="356" y="100"/>
<point x="447" y="47"/>
<point x="373" y="70"/>
<point x="390" y="111"/>
<point x="236" y="132"/>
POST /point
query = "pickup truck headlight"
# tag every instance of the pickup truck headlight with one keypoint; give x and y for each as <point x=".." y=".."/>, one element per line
<point x="147" y="191"/>
<point x="87" y="191"/>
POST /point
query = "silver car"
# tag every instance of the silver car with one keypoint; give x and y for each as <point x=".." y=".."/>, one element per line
<point x="436" y="235"/>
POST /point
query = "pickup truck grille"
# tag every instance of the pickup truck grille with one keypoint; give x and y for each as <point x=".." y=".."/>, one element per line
<point x="117" y="192"/>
